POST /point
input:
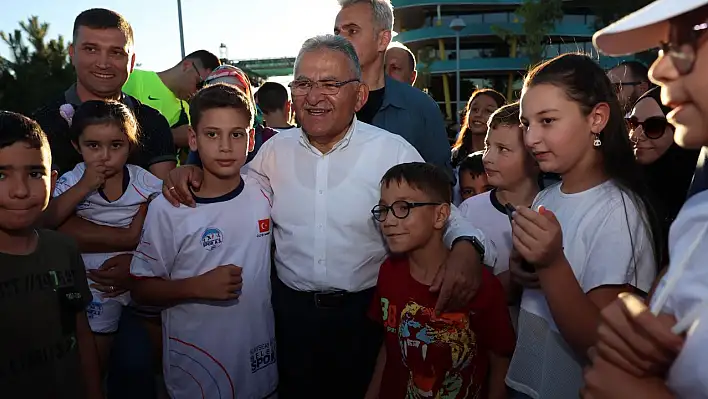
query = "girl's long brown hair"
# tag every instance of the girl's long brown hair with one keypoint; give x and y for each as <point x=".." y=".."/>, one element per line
<point x="464" y="139"/>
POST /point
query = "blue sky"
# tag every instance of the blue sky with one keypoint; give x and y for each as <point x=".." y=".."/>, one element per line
<point x="249" y="28"/>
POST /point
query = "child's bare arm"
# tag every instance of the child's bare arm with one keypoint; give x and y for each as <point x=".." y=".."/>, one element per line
<point x="375" y="384"/>
<point x="220" y="284"/>
<point x="64" y="205"/>
<point x="89" y="357"/>
<point x="94" y="238"/>
<point x="498" y="367"/>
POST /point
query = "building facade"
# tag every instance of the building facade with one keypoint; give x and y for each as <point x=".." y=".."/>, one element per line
<point x="486" y="60"/>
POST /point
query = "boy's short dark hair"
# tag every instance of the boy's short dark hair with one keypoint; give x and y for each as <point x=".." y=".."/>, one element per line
<point x="272" y="97"/>
<point x="220" y="95"/>
<point x="422" y="176"/>
<point x="205" y="59"/>
<point x="639" y="71"/>
<point x="507" y="115"/>
<point x="101" y="18"/>
<point x="473" y="164"/>
<point x="15" y="128"/>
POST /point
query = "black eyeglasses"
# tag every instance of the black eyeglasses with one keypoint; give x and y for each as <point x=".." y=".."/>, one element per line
<point x="653" y="127"/>
<point x="327" y="87"/>
<point x="399" y="209"/>
<point x="685" y="33"/>
<point x="201" y="82"/>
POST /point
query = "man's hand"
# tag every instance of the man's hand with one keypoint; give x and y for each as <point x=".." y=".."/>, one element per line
<point x="603" y="380"/>
<point x="113" y="277"/>
<point x="635" y="340"/>
<point x="175" y="187"/>
<point x="459" y="278"/>
<point x="221" y="284"/>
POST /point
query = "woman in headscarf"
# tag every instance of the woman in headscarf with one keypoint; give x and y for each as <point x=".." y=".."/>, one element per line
<point x="668" y="167"/>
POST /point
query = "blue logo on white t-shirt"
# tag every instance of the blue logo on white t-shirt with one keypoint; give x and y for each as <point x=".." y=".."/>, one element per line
<point x="212" y="238"/>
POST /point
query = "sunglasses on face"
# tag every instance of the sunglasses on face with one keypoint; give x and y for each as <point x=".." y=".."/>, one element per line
<point x="653" y="127"/>
<point x="686" y="35"/>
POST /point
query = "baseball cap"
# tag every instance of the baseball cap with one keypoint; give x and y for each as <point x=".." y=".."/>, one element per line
<point x="643" y="29"/>
<point x="232" y="75"/>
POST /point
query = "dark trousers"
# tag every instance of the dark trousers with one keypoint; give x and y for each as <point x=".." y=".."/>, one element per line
<point x="327" y="349"/>
<point x="131" y="368"/>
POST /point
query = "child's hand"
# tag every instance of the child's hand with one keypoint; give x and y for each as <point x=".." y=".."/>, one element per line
<point x="94" y="176"/>
<point x="604" y="380"/>
<point x="221" y="284"/>
<point x="633" y="339"/>
<point x="537" y="236"/>
<point x="520" y="276"/>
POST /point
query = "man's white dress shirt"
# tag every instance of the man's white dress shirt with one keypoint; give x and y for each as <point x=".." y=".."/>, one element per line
<point x="325" y="235"/>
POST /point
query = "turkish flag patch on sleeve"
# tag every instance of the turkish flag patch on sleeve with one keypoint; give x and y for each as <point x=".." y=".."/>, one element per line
<point x="264" y="225"/>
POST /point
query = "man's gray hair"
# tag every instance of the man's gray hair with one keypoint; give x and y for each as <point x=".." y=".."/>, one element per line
<point x="382" y="10"/>
<point x="334" y="43"/>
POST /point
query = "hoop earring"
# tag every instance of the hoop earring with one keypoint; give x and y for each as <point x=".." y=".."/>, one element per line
<point x="597" y="142"/>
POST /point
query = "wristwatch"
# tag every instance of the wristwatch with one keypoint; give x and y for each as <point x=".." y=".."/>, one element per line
<point x="475" y="243"/>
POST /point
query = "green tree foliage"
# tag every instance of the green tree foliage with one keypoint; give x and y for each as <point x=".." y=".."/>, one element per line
<point x="36" y="69"/>
<point x="538" y="17"/>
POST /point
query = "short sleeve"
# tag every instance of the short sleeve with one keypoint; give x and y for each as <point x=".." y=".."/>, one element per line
<point x="156" y="252"/>
<point x="146" y="183"/>
<point x="65" y="182"/>
<point x="78" y="269"/>
<point x="157" y="141"/>
<point x="619" y="251"/>
<point x="496" y="330"/>
<point x="379" y="304"/>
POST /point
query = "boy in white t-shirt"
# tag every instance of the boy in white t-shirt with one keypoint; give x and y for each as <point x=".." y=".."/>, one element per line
<point x="211" y="265"/>
<point x="514" y="174"/>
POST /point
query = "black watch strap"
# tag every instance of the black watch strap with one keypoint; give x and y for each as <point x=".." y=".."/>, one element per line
<point x="475" y="243"/>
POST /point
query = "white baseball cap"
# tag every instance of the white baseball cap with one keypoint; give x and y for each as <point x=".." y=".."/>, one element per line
<point x="642" y="29"/>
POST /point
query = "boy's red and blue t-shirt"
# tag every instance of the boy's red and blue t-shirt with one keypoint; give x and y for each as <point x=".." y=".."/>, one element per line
<point x="438" y="356"/>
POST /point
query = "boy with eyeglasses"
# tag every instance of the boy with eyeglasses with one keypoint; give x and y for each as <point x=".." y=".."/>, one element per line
<point x="463" y="354"/>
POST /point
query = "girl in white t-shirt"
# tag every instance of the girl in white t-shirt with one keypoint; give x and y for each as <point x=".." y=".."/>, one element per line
<point x="589" y="238"/>
<point x="104" y="190"/>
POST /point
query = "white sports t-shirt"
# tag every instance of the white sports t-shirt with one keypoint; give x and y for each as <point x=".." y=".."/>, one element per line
<point x="488" y="214"/>
<point x="688" y="375"/>
<point x="138" y="186"/>
<point x="215" y="349"/>
<point x="596" y="226"/>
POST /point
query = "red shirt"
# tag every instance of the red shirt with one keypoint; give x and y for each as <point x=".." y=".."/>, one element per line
<point x="434" y="357"/>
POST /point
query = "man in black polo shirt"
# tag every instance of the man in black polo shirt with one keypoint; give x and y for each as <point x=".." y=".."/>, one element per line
<point x="103" y="57"/>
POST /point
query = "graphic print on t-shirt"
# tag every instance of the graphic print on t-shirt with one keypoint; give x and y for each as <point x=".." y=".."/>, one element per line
<point x="436" y="350"/>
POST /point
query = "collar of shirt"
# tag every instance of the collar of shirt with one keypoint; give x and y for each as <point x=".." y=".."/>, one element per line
<point x="71" y="96"/>
<point x="341" y="144"/>
<point x="394" y="96"/>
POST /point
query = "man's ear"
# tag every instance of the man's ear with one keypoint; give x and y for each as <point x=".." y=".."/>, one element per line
<point x="414" y="76"/>
<point x="251" y="139"/>
<point x="72" y="52"/>
<point x="192" y="138"/>
<point x="362" y="96"/>
<point x="384" y="40"/>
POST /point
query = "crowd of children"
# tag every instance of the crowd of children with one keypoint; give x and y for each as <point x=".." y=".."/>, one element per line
<point x="576" y="254"/>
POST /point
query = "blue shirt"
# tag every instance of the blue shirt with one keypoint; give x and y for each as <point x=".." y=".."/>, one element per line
<point x="415" y="116"/>
<point x="700" y="178"/>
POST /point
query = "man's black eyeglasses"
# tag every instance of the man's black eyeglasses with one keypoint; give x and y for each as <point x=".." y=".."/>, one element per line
<point x="327" y="87"/>
<point x="201" y="82"/>
<point x="399" y="209"/>
<point x="653" y="127"/>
